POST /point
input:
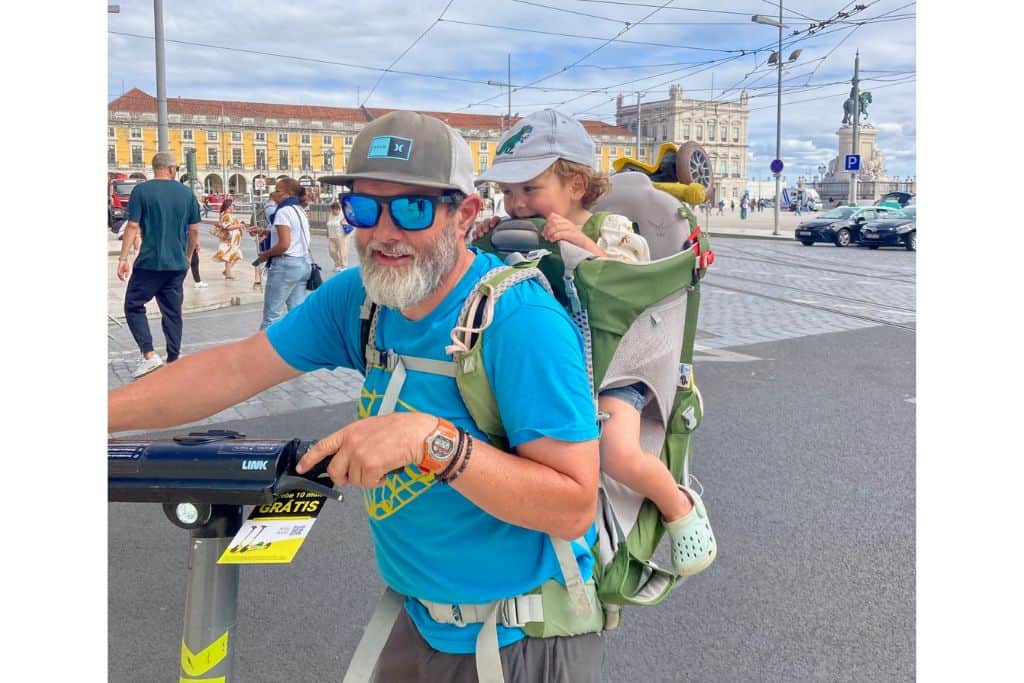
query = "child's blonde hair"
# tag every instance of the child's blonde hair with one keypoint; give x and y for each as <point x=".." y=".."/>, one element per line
<point x="597" y="183"/>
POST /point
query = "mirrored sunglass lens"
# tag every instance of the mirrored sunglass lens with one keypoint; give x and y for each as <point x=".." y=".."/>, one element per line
<point x="412" y="213"/>
<point x="362" y="212"/>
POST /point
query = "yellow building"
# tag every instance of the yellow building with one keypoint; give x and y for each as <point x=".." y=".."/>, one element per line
<point x="241" y="145"/>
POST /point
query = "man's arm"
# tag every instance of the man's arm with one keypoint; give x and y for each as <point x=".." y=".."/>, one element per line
<point x="124" y="266"/>
<point x="193" y="241"/>
<point x="198" y="385"/>
<point x="550" y="486"/>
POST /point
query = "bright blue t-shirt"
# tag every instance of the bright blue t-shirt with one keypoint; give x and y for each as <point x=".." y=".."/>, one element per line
<point x="431" y="542"/>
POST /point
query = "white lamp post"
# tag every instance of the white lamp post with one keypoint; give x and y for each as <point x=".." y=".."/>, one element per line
<point x="776" y="58"/>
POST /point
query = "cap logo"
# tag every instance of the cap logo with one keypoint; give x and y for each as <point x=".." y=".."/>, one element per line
<point x="390" y="147"/>
<point x="510" y="144"/>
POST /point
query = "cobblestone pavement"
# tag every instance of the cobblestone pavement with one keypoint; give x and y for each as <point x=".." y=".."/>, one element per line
<point x="757" y="291"/>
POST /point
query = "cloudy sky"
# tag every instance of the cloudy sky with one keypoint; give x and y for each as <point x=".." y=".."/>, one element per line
<point x="574" y="55"/>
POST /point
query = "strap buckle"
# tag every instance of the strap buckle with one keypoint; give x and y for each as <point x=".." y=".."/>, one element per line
<point x="517" y="612"/>
<point x="381" y="358"/>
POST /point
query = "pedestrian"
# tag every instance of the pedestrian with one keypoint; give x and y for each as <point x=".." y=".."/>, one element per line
<point x="732" y="206"/>
<point x="197" y="280"/>
<point x="206" y="205"/>
<point x="743" y="208"/>
<point x="229" y="232"/>
<point x="563" y="193"/>
<point x="166" y="214"/>
<point x="337" y="238"/>
<point x="479" y="532"/>
<point x="721" y="207"/>
<point x="288" y="257"/>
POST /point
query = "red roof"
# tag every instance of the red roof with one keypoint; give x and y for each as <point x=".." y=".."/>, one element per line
<point x="136" y="100"/>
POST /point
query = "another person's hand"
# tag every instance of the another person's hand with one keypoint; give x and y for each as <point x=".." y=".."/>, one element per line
<point x="561" y="228"/>
<point x="123" y="270"/>
<point x="365" y="451"/>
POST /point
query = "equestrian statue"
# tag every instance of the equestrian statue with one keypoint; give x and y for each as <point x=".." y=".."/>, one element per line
<point x="865" y="100"/>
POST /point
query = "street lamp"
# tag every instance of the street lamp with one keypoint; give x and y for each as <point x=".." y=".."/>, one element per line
<point x="776" y="58"/>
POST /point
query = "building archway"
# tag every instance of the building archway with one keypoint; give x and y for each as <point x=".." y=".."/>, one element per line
<point x="137" y="176"/>
<point x="213" y="183"/>
<point x="237" y="184"/>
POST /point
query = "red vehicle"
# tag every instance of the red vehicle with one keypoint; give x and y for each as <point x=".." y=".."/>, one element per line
<point x="118" y="191"/>
<point x="215" y="199"/>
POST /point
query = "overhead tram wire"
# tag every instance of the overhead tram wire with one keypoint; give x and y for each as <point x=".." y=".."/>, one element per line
<point x="589" y="54"/>
<point x="404" y="52"/>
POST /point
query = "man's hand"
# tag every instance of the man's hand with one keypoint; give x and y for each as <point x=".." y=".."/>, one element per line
<point x="561" y="228"/>
<point x="366" y="450"/>
<point x="124" y="269"/>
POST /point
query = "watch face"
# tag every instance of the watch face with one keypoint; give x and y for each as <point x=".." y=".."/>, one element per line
<point x="441" y="447"/>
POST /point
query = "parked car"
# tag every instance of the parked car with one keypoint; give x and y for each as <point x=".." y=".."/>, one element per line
<point x="897" y="200"/>
<point x="894" y="231"/>
<point x="840" y="225"/>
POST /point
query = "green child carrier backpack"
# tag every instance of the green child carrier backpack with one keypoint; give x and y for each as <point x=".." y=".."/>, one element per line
<point x="639" y="322"/>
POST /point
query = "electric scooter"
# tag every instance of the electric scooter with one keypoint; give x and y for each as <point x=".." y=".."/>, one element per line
<point x="202" y="480"/>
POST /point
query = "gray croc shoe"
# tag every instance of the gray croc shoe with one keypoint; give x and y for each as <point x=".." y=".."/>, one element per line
<point x="693" y="543"/>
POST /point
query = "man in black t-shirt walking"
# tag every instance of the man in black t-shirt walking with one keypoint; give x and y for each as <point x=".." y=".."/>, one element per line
<point x="167" y="214"/>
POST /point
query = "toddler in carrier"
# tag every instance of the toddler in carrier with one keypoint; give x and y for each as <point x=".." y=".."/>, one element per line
<point x="543" y="166"/>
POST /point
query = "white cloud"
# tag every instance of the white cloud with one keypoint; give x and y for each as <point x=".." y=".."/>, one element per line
<point x="374" y="34"/>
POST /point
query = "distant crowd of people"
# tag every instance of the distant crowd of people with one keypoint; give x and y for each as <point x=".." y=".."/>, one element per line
<point x="162" y="225"/>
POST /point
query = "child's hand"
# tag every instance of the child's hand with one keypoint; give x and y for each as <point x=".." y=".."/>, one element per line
<point x="484" y="227"/>
<point x="561" y="228"/>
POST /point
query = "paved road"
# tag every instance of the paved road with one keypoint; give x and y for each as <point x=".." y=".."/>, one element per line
<point x="806" y="456"/>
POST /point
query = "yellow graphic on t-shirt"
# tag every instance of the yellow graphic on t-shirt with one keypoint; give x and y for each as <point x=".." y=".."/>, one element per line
<point x="400" y="488"/>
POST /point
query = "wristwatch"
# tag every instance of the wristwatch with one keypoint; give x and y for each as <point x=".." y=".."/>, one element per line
<point x="439" y="447"/>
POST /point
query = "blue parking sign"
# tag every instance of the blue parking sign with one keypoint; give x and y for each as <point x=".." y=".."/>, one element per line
<point x="852" y="162"/>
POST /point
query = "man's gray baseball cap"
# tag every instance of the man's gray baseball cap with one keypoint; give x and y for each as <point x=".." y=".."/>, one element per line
<point x="409" y="148"/>
<point x="536" y="142"/>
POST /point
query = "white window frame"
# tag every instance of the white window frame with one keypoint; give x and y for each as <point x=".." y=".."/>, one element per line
<point x="304" y="139"/>
<point x="262" y="151"/>
<point x="110" y="131"/>
<point x="735" y="133"/>
<point x="282" y="138"/>
<point x="236" y="152"/>
<point x="282" y="161"/>
<point x="211" y="136"/>
<point x="187" y="134"/>
<point x="328" y="140"/>
<point x="236" y="136"/>
<point x="112" y="153"/>
<point x="306" y="160"/>
<point x="136" y="153"/>
<point x="261" y="136"/>
<point x="686" y="131"/>
<point x="135" y="133"/>
<point x="698" y="132"/>
<point x="327" y="161"/>
<point x="212" y="156"/>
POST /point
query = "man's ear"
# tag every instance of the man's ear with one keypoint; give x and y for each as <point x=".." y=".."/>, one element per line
<point x="467" y="213"/>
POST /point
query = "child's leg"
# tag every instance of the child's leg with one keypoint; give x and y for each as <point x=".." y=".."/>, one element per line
<point x="622" y="458"/>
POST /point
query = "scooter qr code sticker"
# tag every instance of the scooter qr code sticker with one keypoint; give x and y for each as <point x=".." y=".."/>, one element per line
<point x="275" y="531"/>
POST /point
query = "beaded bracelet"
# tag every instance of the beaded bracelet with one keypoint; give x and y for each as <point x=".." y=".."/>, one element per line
<point x="463" y="437"/>
<point x="465" y="460"/>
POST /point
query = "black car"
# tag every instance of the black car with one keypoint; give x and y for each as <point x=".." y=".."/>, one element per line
<point x="895" y="231"/>
<point x="841" y="225"/>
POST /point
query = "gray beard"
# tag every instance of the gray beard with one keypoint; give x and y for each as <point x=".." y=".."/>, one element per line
<point x="401" y="288"/>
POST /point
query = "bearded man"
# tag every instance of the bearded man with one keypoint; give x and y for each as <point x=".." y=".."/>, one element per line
<point x="461" y="529"/>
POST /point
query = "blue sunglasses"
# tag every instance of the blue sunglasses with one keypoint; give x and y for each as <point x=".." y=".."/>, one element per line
<point x="408" y="211"/>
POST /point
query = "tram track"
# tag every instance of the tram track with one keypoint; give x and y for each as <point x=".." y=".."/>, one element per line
<point x="715" y="276"/>
<point x="732" y="253"/>
<point x="817" y="307"/>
